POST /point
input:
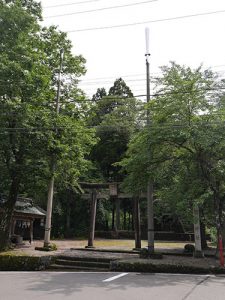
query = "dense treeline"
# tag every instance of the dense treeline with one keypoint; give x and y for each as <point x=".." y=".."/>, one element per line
<point x="104" y="140"/>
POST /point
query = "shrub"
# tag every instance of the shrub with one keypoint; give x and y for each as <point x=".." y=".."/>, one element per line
<point x="23" y="263"/>
<point x="189" y="248"/>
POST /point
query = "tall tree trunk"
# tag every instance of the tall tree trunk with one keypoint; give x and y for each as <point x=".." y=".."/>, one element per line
<point x="7" y="213"/>
<point x="68" y="214"/>
<point x="203" y="236"/>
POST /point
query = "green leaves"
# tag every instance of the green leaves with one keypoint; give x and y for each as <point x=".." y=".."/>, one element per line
<point x="30" y="130"/>
<point x="183" y="149"/>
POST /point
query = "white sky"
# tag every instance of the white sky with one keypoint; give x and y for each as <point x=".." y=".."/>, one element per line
<point x="119" y="52"/>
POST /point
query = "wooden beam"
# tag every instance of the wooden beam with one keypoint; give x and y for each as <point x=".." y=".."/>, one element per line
<point x="92" y="185"/>
<point x="117" y="214"/>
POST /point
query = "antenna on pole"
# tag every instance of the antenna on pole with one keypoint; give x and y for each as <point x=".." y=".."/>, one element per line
<point x="147" y="41"/>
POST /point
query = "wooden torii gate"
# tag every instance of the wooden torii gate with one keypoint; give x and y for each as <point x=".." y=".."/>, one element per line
<point x="114" y="194"/>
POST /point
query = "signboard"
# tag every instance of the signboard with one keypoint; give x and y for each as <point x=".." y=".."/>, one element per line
<point x="113" y="189"/>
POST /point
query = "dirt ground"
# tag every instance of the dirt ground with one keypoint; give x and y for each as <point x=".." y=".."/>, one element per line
<point x="64" y="247"/>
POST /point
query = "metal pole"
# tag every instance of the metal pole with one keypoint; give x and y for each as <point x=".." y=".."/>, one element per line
<point x="53" y="166"/>
<point x="150" y="214"/>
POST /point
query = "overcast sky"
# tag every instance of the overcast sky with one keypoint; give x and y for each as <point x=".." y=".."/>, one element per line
<point x="119" y="51"/>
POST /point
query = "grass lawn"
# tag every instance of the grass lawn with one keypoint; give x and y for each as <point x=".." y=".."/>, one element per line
<point x="116" y="244"/>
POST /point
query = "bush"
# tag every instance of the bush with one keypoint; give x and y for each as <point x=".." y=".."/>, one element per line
<point x="23" y="263"/>
<point x="189" y="248"/>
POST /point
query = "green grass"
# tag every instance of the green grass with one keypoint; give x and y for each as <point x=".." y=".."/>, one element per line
<point x="117" y="244"/>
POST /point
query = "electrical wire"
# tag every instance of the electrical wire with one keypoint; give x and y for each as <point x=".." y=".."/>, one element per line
<point x="146" y="22"/>
<point x="112" y="127"/>
<point x="69" y="4"/>
<point x="100" y="9"/>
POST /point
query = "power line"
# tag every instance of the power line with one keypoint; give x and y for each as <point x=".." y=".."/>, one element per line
<point x="80" y="101"/>
<point x="147" y="22"/>
<point x="111" y="127"/>
<point x="69" y="4"/>
<point x="107" y="82"/>
<point x="100" y="9"/>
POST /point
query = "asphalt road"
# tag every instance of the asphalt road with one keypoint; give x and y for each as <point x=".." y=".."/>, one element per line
<point x="109" y="286"/>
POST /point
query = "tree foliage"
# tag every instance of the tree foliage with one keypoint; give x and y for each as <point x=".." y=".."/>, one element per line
<point x="183" y="148"/>
<point x="30" y="131"/>
<point x="116" y="117"/>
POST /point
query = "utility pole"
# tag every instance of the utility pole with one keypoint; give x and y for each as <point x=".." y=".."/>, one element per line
<point x="150" y="214"/>
<point x="53" y="166"/>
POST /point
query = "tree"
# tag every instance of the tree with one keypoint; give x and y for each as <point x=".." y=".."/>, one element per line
<point x="116" y="118"/>
<point x="101" y="92"/>
<point x="186" y="142"/>
<point x="28" y="75"/>
<point x="120" y="88"/>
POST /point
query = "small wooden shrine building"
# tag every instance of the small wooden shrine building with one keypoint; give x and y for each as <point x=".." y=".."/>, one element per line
<point x="24" y="216"/>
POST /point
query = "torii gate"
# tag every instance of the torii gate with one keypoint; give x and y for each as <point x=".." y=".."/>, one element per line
<point x="113" y="192"/>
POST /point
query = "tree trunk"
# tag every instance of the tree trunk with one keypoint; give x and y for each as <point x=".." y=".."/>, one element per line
<point x="68" y="215"/>
<point x="68" y="220"/>
<point x="7" y="213"/>
<point x="197" y="232"/>
<point x="203" y="236"/>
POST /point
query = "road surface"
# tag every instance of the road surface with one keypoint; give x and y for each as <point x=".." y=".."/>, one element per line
<point x="109" y="286"/>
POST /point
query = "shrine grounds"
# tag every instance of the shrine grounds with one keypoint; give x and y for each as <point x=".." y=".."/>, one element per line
<point x="124" y="258"/>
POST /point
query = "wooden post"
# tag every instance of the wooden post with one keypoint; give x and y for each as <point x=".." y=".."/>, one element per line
<point x="124" y="218"/>
<point x="12" y="227"/>
<point x="92" y="220"/>
<point x="137" y="223"/>
<point x="113" y="214"/>
<point x="117" y="214"/>
<point x="31" y="231"/>
<point x="197" y="232"/>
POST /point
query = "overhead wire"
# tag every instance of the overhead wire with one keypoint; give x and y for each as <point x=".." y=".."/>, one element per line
<point x="100" y="9"/>
<point x="112" y="127"/>
<point x="158" y="94"/>
<point x="146" y="22"/>
<point x="69" y="4"/>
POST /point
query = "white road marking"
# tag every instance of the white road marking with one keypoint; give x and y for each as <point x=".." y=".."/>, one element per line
<point x="115" y="277"/>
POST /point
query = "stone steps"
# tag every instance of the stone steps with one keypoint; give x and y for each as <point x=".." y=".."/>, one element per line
<point x="56" y="267"/>
<point x="76" y="263"/>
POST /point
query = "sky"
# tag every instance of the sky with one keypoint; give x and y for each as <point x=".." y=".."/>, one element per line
<point x="119" y="50"/>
